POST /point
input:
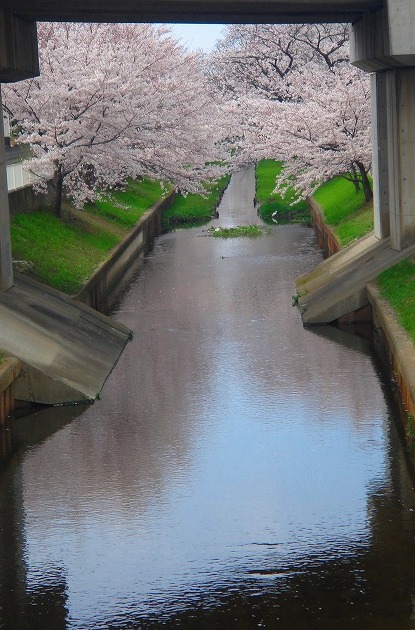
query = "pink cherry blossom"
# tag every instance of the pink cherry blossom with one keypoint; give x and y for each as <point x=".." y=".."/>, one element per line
<point x="112" y="102"/>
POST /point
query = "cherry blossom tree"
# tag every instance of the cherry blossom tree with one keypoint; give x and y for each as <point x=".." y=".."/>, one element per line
<point x="112" y="102"/>
<point x="259" y="59"/>
<point x="326" y="133"/>
<point x="297" y="100"/>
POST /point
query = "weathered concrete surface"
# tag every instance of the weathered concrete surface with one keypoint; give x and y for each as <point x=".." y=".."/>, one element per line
<point x="220" y="11"/>
<point x="401" y="142"/>
<point x="380" y="155"/>
<point x="326" y="236"/>
<point x="337" y="285"/>
<point x="9" y="371"/>
<point x="397" y="343"/>
<point x="18" y="47"/>
<point x="67" y="350"/>
<point x="104" y="287"/>
<point x="384" y="39"/>
<point x="6" y="269"/>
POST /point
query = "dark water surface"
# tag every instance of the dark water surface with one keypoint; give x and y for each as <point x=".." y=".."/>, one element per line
<point x="239" y="472"/>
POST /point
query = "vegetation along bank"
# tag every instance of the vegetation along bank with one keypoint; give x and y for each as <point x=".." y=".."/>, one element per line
<point x="65" y="252"/>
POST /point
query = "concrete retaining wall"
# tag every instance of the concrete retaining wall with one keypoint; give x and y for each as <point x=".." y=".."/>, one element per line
<point x="392" y="343"/>
<point x="9" y="371"/>
<point x="326" y="238"/>
<point x="101" y="292"/>
<point x="104" y="288"/>
<point x="25" y="200"/>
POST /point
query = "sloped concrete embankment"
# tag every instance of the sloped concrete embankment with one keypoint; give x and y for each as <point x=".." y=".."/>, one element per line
<point x="337" y="286"/>
<point x="66" y="348"/>
<point x="343" y="288"/>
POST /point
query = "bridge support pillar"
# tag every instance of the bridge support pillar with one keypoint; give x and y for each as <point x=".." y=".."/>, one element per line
<point x="383" y="41"/>
<point x="18" y="60"/>
<point x="6" y="268"/>
<point x="393" y="136"/>
<point x="400" y="92"/>
<point x="380" y="161"/>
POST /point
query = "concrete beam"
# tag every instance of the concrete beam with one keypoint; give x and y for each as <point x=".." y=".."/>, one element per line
<point x="18" y="48"/>
<point x="209" y="11"/>
<point x="66" y="349"/>
<point x="337" y="286"/>
<point x="401" y="29"/>
<point x="384" y="39"/>
<point x="18" y="60"/>
<point x="6" y="268"/>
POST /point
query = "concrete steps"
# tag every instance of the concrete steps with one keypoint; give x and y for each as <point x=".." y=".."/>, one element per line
<point x="66" y="349"/>
<point x="336" y="287"/>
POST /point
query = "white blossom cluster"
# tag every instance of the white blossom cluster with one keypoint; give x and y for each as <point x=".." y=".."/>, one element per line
<point x="112" y="102"/>
<point x="294" y="97"/>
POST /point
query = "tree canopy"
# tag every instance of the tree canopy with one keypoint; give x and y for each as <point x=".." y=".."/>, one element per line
<point x="112" y="102"/>
<point x="297" y="99"/>
<point x="120" y="101"/>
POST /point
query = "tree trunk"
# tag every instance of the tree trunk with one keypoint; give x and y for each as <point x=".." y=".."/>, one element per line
<point x="367" y="188"/>
<point x="355" y="181"/>
<point x="57" y="187"/>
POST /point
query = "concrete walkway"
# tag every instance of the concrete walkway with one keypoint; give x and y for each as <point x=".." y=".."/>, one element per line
<point x="67" y="350"/>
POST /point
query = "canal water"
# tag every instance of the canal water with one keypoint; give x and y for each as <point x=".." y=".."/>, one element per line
<point x="239" y="471"/>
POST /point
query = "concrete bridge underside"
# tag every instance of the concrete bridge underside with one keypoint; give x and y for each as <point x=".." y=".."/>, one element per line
<point x="382" y="43"/>
<point x="220" y="11"/>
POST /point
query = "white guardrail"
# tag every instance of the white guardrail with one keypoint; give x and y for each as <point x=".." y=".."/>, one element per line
<point x="17" y="177"/>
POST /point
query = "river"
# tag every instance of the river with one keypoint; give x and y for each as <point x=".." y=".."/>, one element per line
<point x="239" y="471"/>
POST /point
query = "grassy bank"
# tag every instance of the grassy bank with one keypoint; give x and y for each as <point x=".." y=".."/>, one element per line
<point x="65" y="252"/>
<point x="345" y="210"/>
<point x="397" y="285"/>
<point x="125" y="208"/>
<point x="64" y="255"/>
<point x="274" y="207"/>
<point x="194" y="209"/>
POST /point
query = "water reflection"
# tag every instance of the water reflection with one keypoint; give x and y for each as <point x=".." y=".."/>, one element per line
<point x="239" y="472"/>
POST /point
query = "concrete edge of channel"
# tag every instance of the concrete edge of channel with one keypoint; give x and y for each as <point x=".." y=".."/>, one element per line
<point x="398" y="345"/>
<point x="106" y="276"/>
<point x="10" y="369"/>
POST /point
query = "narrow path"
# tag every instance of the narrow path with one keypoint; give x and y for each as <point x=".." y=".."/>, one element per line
<point x="238" y="203"/>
